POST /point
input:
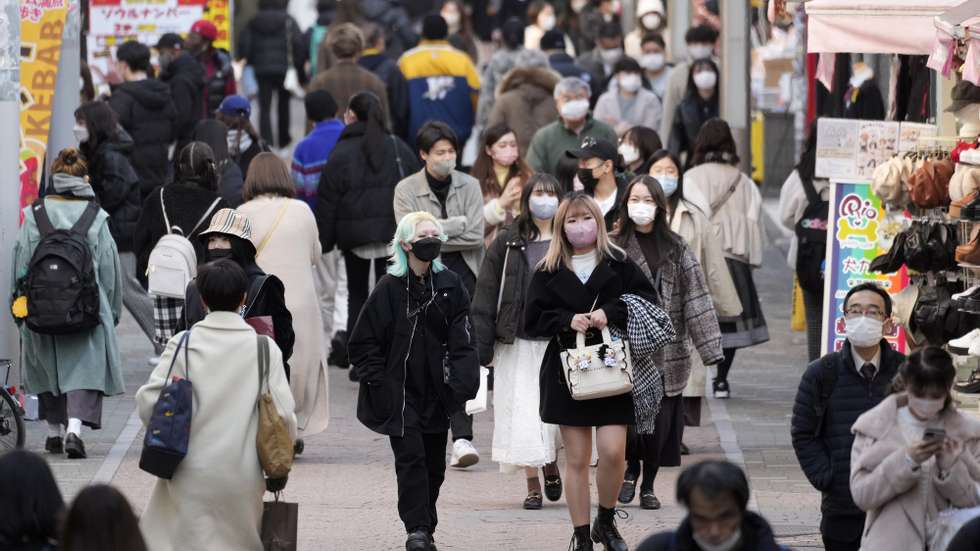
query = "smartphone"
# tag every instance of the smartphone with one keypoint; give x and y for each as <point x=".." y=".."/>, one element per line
<point x="933" y="434"/>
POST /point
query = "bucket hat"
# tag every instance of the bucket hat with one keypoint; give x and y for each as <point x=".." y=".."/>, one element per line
<point x="231" y="223"/>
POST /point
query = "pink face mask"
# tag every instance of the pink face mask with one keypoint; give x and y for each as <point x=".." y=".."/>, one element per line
<point x="505" y="157"/>
<point x="582" y="233"/>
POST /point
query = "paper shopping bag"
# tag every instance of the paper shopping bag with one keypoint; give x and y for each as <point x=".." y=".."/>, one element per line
<point x="479" y="403"/>
<point x="280" y="522"/>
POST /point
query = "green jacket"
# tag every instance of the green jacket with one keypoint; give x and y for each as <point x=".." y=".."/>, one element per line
<point x="551" y="142"/>
<point x="82" y="361"/>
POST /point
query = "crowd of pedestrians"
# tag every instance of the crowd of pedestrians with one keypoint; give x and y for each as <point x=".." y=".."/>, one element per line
<point x="475" y="192"/>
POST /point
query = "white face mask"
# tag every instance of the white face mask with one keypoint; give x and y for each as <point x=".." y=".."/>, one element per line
<point x="80" y="132"/>
<point x="641" y="213"/>
<point x="610" y="56"/>
<point x="705" y="80"/>
<point x="863" y="331"/>
<point x="726" y="545"/>
<point x="579" y="5"/>
<point x="652" y="62"/>
<point x="651" y="21"/>
<point x="630" y="82"/>
<point x="546" y="21"/>
<point x="668" y="184"/>
<point x="629" y="152"/>
<point x="543" y="207"/>
<point x="452" y="19"/>
<point x="575" y="109"/>
<point x="926" y="408"/>
<point x="700" y="51"/>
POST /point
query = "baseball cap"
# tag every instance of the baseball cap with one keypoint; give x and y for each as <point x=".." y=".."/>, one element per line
<point x="592" y="148"/>
<point x="205" y="28"/>
<point x="235" y="105"/>
<point x="170" y="40"/>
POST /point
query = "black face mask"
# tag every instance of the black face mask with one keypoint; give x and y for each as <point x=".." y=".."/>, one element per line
<point x="427" y="249"/>
<point x="219" y="254"/>
<point x="588" y="179"/>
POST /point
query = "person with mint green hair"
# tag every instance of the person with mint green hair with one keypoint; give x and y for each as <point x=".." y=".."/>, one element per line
<point x="414" y="348"/>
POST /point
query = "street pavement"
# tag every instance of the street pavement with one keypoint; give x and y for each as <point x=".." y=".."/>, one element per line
<point x="345" y="483"/>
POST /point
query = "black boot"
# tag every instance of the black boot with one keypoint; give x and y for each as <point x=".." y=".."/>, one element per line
<point x="580" y="539"/>
<point x="604" y="530"/>
<point x="418" y="540"/>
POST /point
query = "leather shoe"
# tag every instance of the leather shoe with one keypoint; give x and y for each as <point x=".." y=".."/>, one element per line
<point x="298" y="446"/>
<point x="552" y="483"/>
<point x="418" y="540"/>
<point x="604" y="531"/>
<point x="968" y="204"/>
<point x="74" y="447"/>
<point x="649" y="501"/>
<point x="54" y="444"/>
<point x="628" y="490"/>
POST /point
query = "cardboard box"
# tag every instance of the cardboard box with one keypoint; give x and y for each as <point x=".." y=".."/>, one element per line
<point x="775" y="68"/>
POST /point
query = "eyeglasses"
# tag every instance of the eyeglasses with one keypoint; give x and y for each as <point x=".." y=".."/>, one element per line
<point x="858" y="311"/>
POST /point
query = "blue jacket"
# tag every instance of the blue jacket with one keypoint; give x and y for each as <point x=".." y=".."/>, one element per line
<point x="310" y="155"/>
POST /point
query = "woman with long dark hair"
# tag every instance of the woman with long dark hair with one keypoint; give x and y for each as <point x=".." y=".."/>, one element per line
<point x="31" y="505"/>
<point x="673" y="270"/>
<point x="354" y="211"/>
<point x="101" y="518"/>
<point x="520" y="439"/>
<point x="502" y="174"/>
<point x="230" y="177"/>
<point x="636" y="146"/>
<point x="699" y="105"/>
<point x="733" y="204"/>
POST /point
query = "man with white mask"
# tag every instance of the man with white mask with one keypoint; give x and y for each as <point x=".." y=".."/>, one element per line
<point x="834" y="392"/>
<point x="716" y="496"/>
<point x="601" y="60"/>
<point x="573" y="125"/>
<point x="700" y="42"/>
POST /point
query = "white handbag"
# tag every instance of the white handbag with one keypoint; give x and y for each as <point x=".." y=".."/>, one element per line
<point x="599" y="370"/>
<point x="479" y="403"/>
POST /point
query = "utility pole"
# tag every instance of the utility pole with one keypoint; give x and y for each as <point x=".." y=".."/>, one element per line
<point x="735" y="78"/>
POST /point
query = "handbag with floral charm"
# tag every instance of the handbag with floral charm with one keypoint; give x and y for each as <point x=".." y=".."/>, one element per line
<point x="599" y="370"/>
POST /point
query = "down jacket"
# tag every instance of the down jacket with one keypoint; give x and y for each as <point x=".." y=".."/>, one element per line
<point x="354" y="202"/>
<point x="821" y="432"/>
<point x="268" y="42"/>
<point x="382" y="339"/>
<point x="146" y="111"/>
<point x="185" y="76"/>
<point x="117" y="187"/>
<point x="525" y="103"/>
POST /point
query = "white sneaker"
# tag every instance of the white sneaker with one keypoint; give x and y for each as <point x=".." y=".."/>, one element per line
<point x="464" y="454"/>
<point x="964" y="345"/>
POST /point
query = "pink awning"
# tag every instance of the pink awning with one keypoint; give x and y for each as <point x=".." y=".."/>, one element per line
<point x="874" y="26"/>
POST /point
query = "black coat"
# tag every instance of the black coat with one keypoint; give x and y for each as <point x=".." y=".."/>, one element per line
<point x="185" y="76"/>
<point x="230" y="182"/>
<point x="691" y="114"/>
<point x="553" y="298"/>
<point x="354" y="202"/>
<point x="505" y="259"/>
<point x="823" y="446"/>
<point x="380" y="342"/>
<point x="146" y="110"/>
<point x="116" y="187"/>
<point x="756" y="536"/>
<point x="270" y="300"/>
<point x="267" y="42"/>
<point x="396" y="87"/>
<point x="186" y="204"/>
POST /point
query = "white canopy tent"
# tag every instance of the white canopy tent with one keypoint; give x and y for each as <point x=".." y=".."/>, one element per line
<point x="875" y="26"/>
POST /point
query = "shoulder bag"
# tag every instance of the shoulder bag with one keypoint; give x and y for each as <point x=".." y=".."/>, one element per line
<point x="272" y="440"/>
<point x="169" y="430"/>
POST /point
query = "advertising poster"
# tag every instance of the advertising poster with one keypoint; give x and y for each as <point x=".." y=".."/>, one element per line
<point x="112" y="22"/>
<point x="41" y="26"/>
<point x="862" y="231"/>
<point x="851" y="149"/>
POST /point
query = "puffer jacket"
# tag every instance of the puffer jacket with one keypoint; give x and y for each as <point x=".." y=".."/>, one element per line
<point x="146" y="111"/>
<point x="354" y="202"/>
<point x="117" y="188"/>
<point x="756" y="536"/>
<point x="267" y="42"/>
<point x="382" y="340"/>
<point x="821" y="430"/>
<point x="525" y="103"/>
<point x="185" y="76"/>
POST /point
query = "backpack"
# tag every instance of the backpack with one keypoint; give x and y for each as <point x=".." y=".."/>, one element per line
<point x="811" y="234"/>
<point x="168" y="431"/>
<point x="173" y="262"/>
<point x="61" y="288"/>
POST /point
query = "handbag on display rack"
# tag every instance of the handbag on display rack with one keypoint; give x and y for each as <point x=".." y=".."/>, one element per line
<point x="598" y="370"/>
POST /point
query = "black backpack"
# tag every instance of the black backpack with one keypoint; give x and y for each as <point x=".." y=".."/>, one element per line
<point x="811" y="235"/>
<point x="62" y="292"/>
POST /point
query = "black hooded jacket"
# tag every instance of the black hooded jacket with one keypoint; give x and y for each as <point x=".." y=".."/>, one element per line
<point x="146" y="110"/>
<point x="116" y="187"/>
<point x="185" y="76"/>
<point x="269" y="40"/>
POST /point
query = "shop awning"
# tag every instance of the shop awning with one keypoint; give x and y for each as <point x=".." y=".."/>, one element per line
<point x="874" y="26"/>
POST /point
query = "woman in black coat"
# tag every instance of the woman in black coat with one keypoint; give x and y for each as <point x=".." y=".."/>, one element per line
<point x="357" y="189"/>
<point x="577" y="288"/>
<point x="414" y="350"/>
<point x="231" y="179"/>
<point x="699" y="105"/>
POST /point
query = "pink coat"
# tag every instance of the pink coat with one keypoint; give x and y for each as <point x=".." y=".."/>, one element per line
<point x="884" y="484"/>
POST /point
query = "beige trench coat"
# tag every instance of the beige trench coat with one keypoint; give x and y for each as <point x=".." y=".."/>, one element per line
<point x="884" y="484"/>
<point x="292" y="249"/>
<point x="214" y="500"/>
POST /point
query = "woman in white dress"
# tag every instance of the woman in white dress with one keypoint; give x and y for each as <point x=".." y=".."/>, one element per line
<point x="287" y="245"/>
<point x="520" y="438"/>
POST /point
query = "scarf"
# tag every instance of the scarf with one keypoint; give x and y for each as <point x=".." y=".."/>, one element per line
<point x="648" y="329"/>
<point x="238" y="142"/>
<point x="76" y="186"/>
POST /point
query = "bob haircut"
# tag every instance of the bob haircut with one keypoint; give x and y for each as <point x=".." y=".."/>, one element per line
<point x="32" y="502"/>
<point x="398" y="265"/>
<point x="928" y="369"/>
<point x="267" y="175"/>
<point x="526" y="227"/>
<point x="560" y="250"/>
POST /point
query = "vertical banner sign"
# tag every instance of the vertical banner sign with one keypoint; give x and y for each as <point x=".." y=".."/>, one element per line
<point x="862" y="231"/>
<point x="41" y="26"/>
